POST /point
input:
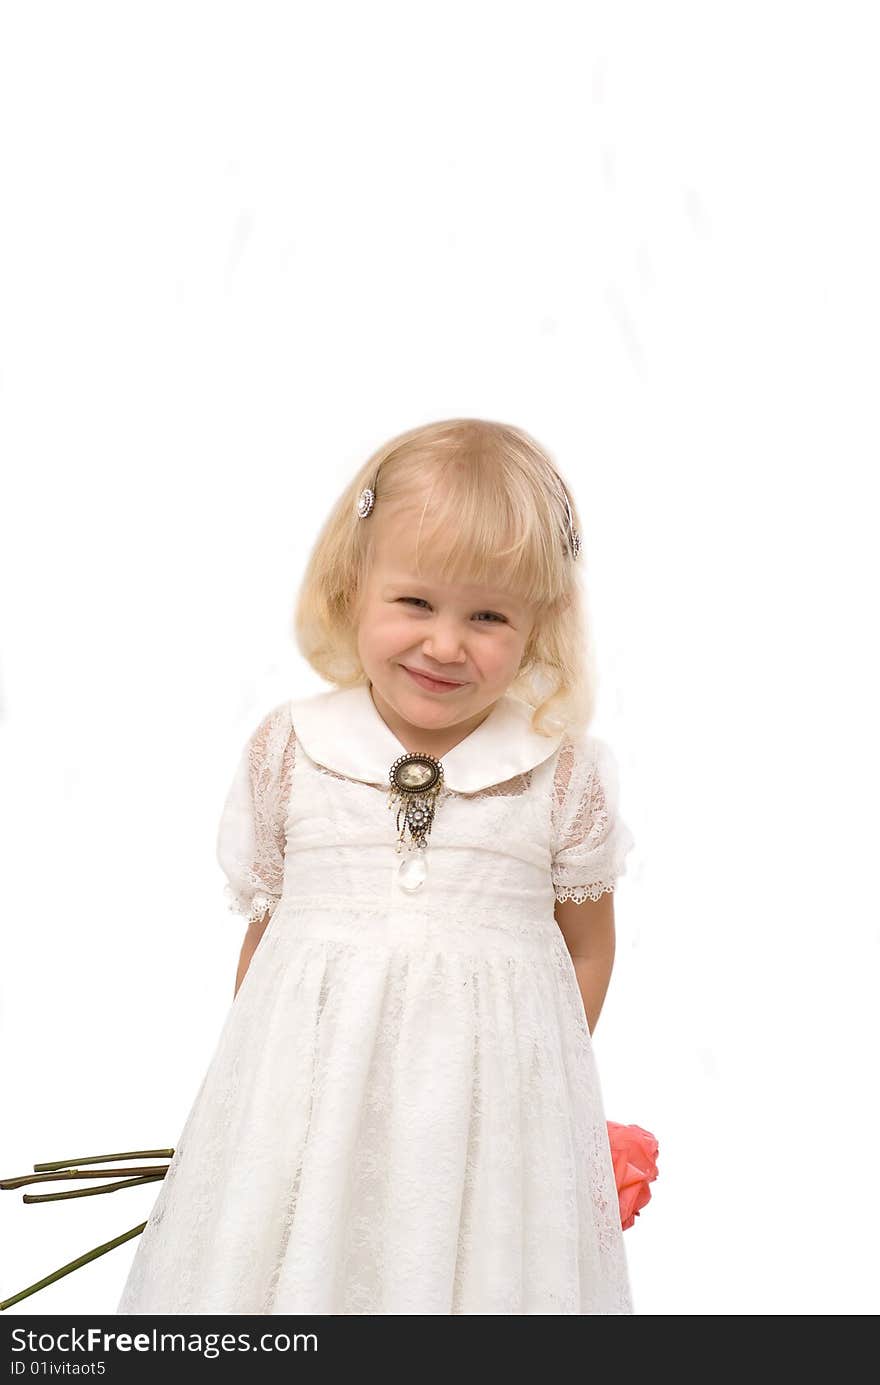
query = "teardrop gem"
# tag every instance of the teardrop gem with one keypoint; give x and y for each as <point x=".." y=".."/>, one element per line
<point x="412" y="872"/>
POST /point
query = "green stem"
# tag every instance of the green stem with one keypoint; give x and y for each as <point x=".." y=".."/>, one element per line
<point x="106" y="1158"/>
<point x="74" y="1265"/>
<point x="65" y="1174"/>
<point x="91" y="1192"/>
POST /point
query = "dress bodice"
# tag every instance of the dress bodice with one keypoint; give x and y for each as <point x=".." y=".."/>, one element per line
<point x="521" y="820"/>
<point x="488" y="852"/>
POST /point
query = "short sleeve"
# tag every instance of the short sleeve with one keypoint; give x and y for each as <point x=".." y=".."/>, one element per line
<point x="251" y="834"/>
<point x="590" y="839"/>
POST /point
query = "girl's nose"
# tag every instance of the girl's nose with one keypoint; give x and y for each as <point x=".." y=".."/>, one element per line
<point x="444" y="644"/>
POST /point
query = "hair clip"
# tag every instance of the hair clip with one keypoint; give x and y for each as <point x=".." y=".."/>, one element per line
<point x="574" y="536"/>
<point x="366" y="500"/>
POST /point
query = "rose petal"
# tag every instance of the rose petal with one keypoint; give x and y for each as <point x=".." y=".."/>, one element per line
<point x="634" y="1158"/>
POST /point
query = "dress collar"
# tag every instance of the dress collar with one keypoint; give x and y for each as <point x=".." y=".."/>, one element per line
<point x="342" y="730"/>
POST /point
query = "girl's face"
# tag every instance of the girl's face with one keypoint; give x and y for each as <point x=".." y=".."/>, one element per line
<point x="473" y="636"/>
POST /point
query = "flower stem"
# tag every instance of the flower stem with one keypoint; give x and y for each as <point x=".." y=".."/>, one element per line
<point x="74" y="1265"/>
<point x="106" y="1158"/>
<point x="65" y="1174"/>
<point x="90" y="1192"/>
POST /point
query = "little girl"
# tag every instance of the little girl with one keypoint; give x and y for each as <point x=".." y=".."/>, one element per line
<point x="403" y="1113"/>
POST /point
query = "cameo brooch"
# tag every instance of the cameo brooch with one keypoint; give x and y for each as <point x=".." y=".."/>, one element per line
<point x="416" y="780"/>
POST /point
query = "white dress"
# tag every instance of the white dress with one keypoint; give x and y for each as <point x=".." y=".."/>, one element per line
<point x="403" y="1113"/>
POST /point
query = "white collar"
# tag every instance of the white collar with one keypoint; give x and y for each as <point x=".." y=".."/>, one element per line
<point x="342" y="730"/>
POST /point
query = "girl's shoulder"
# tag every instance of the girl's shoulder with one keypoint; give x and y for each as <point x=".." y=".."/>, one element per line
<point x="273" y="735"/>
<point x="585" y="765"/>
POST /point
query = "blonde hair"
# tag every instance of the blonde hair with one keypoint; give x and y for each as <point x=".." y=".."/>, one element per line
<point x="492" y="502"/>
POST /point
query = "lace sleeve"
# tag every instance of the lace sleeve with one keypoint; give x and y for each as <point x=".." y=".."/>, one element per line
<point x="590" y="839"/>
<point x="250" y="838"/>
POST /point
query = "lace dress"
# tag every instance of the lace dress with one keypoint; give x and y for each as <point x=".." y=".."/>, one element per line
<point x="403" y="1113"/>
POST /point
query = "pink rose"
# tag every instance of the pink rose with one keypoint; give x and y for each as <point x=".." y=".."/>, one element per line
<point x="634" y="1156"/>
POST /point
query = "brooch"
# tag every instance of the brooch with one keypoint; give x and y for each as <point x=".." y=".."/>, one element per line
<point x="416" y="780"/>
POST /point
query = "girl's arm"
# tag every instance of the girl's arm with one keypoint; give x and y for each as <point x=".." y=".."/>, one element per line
<point x="249" y="946"/>
<point x="588" y="930"/>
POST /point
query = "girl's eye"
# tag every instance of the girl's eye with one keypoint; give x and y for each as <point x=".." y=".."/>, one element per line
<point x="421" y="601"/>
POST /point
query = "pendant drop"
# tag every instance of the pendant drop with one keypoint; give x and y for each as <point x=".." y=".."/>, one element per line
<point x="416" y="781"/>
<point x="413" y="872"/>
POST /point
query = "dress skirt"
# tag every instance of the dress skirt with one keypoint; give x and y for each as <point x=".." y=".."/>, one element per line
<point x="402" y="1116"/>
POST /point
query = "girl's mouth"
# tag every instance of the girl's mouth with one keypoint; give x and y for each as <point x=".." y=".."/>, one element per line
<point x="431" y="684"/>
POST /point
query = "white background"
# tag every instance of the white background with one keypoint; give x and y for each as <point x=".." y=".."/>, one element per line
<point x="243" y="244"/>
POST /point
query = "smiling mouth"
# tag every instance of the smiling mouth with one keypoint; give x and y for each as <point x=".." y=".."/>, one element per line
<point x="427" y="680"/>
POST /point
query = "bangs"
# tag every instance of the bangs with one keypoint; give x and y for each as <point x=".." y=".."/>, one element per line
<point x="474" y="529"/>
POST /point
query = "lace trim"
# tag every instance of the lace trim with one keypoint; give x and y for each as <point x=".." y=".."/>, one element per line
<point x="250" y="909"/>
<point x="581" y="892"/>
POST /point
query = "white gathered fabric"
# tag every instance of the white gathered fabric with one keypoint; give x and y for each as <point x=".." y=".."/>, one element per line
<point x="250" y="839"/>
<point x="403" y="1113"/>
<point x="591" y="840"/>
